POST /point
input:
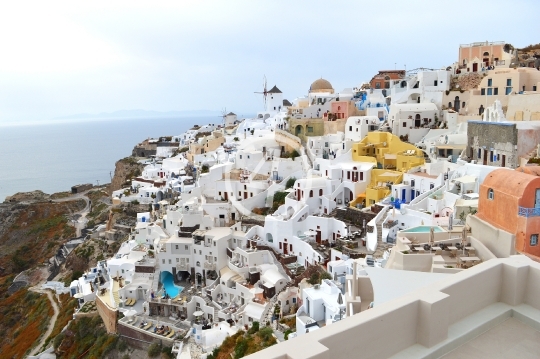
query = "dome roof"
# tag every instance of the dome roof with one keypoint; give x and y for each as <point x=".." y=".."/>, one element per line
<point x="321" y="84"/>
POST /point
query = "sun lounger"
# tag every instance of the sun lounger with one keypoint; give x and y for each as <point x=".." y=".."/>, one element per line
<point x="129" y="302"/>
<point x="148" y="326"/>
<point x="133" y="301"/>
<point x="170" y="335"/>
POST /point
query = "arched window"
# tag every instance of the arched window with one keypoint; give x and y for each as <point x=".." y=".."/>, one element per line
<point x="198" y="264"/>
<point x="311" y="193"/>
<point x="320" y="192"/>
<point x="403" y="84"/>
<point x="486" y="53"/>
<point x="491" y="194"/>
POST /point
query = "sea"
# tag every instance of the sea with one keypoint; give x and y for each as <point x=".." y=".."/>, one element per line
<point x="54" y="156"/>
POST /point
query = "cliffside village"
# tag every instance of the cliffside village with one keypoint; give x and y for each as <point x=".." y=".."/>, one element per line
<point x="419" y="186"/>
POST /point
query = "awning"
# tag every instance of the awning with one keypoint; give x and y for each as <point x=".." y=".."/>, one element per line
<point x="465" y="179"/>
<point x="390" y="156"/>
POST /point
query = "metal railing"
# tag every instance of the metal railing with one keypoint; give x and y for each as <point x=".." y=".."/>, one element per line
<point x="528" y="212"/>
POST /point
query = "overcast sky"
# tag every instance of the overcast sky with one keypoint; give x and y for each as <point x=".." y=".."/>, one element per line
<point x="58" y="59"/>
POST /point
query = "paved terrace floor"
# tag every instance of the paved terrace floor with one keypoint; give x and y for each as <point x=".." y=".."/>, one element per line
<point x="510" y="339"/>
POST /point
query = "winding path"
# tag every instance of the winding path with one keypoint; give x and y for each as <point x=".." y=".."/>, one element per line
<point x="51" y="323"/>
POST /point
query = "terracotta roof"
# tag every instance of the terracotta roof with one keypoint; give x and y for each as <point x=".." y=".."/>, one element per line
<point x="532" y="170"/>
<point x="507" y="181"/>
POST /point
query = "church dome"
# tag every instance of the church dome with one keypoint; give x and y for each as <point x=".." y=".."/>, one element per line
<point x="321" y="85"/>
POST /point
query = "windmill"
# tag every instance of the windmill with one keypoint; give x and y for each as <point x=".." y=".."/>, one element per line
<point x="264" y="92"/>
<point x="223" y="115"/>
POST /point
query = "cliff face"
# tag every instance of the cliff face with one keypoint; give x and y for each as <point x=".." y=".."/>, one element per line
<point x="126" y="168"/>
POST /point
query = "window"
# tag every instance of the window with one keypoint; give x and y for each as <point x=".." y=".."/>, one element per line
<point x="483" y="91"/>
<point x="479" y="153"/>
<point x="198" y="264"/>
<point x="240" y="156"/>
<point x="177" y="260"/>
<point x="412" y="183"/>
<point x="508" y="91"/>
<point x="310" y="129"/>
<point x="176" y="246"/>
<point x="534" y="239"/>
<point x="311" y="193"/>
<point x="490" y="82"/>
<point x="169" y="261"/>
<point x="508" y="82"/>
<point x="534" y="88"/>
<point x="350" y="128"/>
<point x="431" y="185"/>
<point x="404" y="124"/>
<point x="490" y="91"/>
<point x="163" y="261"/>
<point x="491" y="194"/>
<point x="294" y="300"/>
<point x="194" y="251"/>
<point x="320" y="192"/>
<point x="495" y="91"/>
<point x="463" y="104"/>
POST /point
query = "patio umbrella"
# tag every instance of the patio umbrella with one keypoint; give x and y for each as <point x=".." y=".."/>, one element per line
<point x="310" y="232"/>
<point x="78" y="295"/>
<point x="198" y="313"/>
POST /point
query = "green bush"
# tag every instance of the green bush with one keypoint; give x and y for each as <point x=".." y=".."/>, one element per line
<point x="314" y="279"/>
<point x="286" y="334"/>
<point x="326" y="275"/>
<point x="205" y="169"/>
<point x="290" y="183"/>
<point x="294" y="154"/>
<point x="154" y="350"/>
<point x="254" y="328"/>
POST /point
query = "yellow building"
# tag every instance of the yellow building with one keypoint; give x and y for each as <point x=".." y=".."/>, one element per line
<point x="393" y="156"/>
<point x="389" y="151"/>
<point x="379" y="187"/>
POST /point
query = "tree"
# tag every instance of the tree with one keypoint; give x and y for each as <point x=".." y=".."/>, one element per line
<point x="154" y="350"/>
<point x="326" y="275"/>
<point x="314" y="278"/>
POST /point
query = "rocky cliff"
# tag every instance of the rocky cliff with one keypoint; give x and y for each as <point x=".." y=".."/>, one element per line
<point x="125" y="169"/>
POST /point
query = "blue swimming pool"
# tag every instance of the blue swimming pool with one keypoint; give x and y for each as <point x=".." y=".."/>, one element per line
<point x="423" y="229"/>
<point x="166" y="279"/>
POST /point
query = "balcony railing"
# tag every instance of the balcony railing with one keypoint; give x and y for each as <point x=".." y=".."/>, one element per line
<point x="528" y="212"/>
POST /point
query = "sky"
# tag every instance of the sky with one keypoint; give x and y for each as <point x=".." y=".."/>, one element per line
<point x="63" y="58"/>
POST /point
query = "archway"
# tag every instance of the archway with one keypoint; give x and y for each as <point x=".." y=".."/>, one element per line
<point x="269" y="238"/>
<point x="457" y="104"/>
<point x="299" y="130"/>
<point x="417" y="120"/>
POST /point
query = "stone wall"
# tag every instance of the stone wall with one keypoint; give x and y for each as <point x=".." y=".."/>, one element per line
<point x="354" y="216"/>
<point x="502" y="137"/>
<point x="138" y="339"/>
<point x="108" y="316"/>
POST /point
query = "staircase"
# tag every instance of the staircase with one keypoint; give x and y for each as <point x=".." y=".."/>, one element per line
<point x="379" y="230"/>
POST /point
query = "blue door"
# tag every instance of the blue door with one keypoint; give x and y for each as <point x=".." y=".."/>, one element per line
<point x="403" y="195"/>
<point x="412" y="194"/>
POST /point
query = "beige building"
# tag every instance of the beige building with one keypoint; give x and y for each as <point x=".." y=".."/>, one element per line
<point x="489" y="311"/>
<point x="499" y="84"/>
<point x="205" y="144"/>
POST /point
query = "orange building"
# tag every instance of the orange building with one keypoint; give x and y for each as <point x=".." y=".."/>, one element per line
<point x="383" y="80"/>
<point x="510" y="201"/>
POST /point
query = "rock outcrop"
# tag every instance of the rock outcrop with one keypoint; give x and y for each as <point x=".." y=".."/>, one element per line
<point x="125" y="169"/>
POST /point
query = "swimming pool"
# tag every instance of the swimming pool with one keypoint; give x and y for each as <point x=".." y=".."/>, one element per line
<point x="423" y="229"/>
<point x="171" y="289"/>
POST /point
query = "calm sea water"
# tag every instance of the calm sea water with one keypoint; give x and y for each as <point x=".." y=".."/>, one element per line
<point x="54" y="157"/>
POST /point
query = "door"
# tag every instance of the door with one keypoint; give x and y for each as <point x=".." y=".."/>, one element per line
<point x="475" y="67"/>
<point x="226" y="196"/>
<point x="285" y="248"/>
<point x="245" y="195"/>
<point x="503" y="164"/>
<point x="318" y="237"/>
<point x="404" y="195"/>
<point x="485" y="158"/>
<point x="412" y="194"/>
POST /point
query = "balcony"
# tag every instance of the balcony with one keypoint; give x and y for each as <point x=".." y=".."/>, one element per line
<point x="182" y="266"/>
<point x="209" y="266"/>
<point x="528" y="212"/>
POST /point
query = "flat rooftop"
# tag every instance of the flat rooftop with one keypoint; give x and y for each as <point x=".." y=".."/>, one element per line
<point x="510" y="339"/>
